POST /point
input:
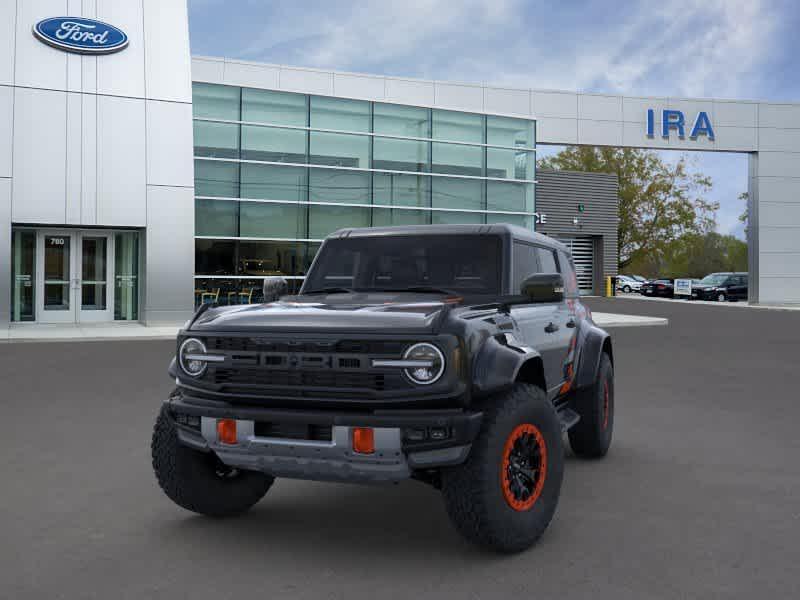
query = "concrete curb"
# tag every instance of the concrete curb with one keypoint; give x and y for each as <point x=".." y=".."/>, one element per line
<point x="615" y="320"/>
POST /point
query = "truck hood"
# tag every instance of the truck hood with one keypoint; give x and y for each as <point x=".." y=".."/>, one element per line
<point x="341" y="315"/>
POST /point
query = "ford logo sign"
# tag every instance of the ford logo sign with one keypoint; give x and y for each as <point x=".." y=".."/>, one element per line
<point x="84" y="36"/>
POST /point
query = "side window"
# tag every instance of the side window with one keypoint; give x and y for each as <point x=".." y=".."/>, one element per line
<point x="547" y="260"/>
<point x="524" y="263"/>
<point x="568" y="271"/>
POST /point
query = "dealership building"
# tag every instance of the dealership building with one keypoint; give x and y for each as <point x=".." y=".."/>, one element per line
<point x="137" y="181"/>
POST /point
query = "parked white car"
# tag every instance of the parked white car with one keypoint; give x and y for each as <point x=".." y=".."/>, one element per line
<point x="628" y="284"/>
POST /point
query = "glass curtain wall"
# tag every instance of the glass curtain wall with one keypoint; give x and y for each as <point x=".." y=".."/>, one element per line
<point x="276" y="172"/>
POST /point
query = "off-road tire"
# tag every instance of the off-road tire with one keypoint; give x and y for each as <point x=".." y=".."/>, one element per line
<point x="190" y="478"/>
<point x="474" y="492"/>
<point x="591" y="436"/>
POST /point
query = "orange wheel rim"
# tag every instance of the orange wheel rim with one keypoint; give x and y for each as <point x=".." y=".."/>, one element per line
<point x="605" y="404"/>
<point x="524" y="468"/>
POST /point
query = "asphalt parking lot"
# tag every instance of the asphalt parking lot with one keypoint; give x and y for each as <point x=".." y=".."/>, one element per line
<point x="699" y="497"/>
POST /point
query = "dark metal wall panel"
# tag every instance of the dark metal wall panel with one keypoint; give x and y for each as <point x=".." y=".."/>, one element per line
<point x="558" y="194"/>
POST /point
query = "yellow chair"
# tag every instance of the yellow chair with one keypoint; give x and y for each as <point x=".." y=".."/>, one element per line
<point x="212" y="296"/>
<point x="246" y="296"/>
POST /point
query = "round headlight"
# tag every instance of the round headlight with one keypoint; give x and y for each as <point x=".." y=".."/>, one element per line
<point x="431" y="363"/>
<point x="192" y="366"/>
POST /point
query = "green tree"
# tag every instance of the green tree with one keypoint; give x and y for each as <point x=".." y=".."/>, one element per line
<point x="659" y="202"/>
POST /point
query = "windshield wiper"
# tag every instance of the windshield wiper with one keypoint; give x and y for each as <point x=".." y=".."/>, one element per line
<point x="329" y="290"/>
<point x="422" y="289"/>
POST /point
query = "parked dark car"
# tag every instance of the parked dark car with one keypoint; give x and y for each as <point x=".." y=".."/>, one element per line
<point x="456" y="355"/>
<point x="721" y="287"/>
<point x="663" y="288"/>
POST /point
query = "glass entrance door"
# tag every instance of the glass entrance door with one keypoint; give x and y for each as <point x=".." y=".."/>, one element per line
<point x="73" y="280"/>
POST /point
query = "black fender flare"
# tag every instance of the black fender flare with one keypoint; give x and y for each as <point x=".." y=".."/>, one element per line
<point x="595" y="342"/>
<point x="499" y="361"/>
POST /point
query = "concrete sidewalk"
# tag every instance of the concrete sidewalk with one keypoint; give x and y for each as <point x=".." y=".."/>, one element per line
<point x="24" y="332"/>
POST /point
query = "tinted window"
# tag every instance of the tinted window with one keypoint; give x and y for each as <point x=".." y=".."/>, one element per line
<point x="469" y="264"/>
<point x="524" y="263"/>
<point x="568" y="271"/>
<point x="547" y="260"/>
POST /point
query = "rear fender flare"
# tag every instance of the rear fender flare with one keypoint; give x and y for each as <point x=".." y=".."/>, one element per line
<point x="595" y="342"/>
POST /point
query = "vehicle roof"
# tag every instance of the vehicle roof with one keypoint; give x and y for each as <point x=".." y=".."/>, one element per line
<point x="515" y="231"/>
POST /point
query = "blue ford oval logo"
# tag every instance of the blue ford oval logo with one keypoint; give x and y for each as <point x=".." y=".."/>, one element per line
<point x="76" y="34"/>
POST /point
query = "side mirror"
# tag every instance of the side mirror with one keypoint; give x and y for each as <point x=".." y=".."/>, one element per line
<point x="274" y="288"/>
<point x="543" y="287"/>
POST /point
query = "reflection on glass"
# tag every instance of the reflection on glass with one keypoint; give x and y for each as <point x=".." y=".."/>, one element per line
<point x="214" y="257"/>
<point x="384" y="217"/>
<point x="406" y="121"/>
<point x="400" y="155"/>
<point x="440" y="217"/>
<point x="505" y="131"/>
<point x="273" y="144"/>
<point x="266" y="106"/>
<point x="521" y="220"/>
<point x="324" y="220"/>
<point x="93" y="273"/>
<point x="401" y="190"/>
<point x="212" y="178"/>
<point x="263" y="219"/>
<point x="273" y="182"/>
<point x="334" y="185"/>
<point x="509" y="164"/>
<point x="457" y="160"/>
<point x="217" y="140"/>
<point x="338" y="113"/>
<point x="457" y="126"/>
<point x="216" y="217"/>
<point x="56" y="272"/>
<point x="339" y="150"/>
<point x="23" y="265"/>
<point x="271" y="258"/>
<point x="215" y="101"/>
<point x="511" y="196"/>
<point x="126" y="275"/>
<point x="457" y="193"/>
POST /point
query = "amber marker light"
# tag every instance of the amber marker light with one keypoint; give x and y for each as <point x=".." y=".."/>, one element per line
<point x="364" y="440"/>
<point x="226" y="431"/>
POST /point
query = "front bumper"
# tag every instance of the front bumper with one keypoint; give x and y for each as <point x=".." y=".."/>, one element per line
<point x="330" y="458"/>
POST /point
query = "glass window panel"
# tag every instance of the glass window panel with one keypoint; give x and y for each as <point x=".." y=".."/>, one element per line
<point x="126" y="276"/>
<point x="400" y="155"/>
<point x="208" y="291"/>
<point x="216" y="217"/>
<point x="214" y="257"/>
<point x="521" y="220"/>
<point x="457" y="193"/>
<point x="273" y="182"/>
<point x="443" y="217"/>
<point x="339" y="150"/>
<point x="409" y="121"/>
<point x="56" y="272"/>
<point x="311" y="249"/>
<point x="23" y="265"/>
<point x="273" y="144"/>
<point x="502" y="195"/>
<point x="457" y="126"/>
<point x="283" y="108"/>
<point x="93" y="273"/>
<point x="327" y="219"/>
<point x="401" y="190"/>
<point x="547" y="260"/>
<point x="211" y="101"/>
<point x="335" y="185"/>
<point x="213" y="178"/>
<point x="218" y="140"/>
<point x="509" y="164"/>
<point x="458" y="160"/>
<point x="506" y="131"/>
<point x="271" y="258"/>
<point x="383" y="217"/>
<point x="338" y="113"/>
<point x="260" y="219"/>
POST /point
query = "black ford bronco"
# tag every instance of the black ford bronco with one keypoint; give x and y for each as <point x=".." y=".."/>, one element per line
<point x="456" y="355"/>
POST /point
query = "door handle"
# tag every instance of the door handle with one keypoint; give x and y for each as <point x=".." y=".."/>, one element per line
<point x="551" y="328"/>
<point x="571" y="323"/>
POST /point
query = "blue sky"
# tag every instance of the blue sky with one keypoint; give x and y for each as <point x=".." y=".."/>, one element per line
<point x="713" y="48"/>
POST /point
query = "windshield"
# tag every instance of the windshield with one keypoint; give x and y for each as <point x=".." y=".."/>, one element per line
<point x="713" y="279"/>
<point x="467" y="265"/>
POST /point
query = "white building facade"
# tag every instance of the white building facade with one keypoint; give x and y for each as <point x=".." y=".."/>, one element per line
<point x="98" y="156"/>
